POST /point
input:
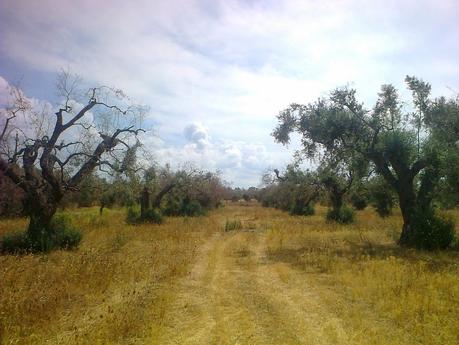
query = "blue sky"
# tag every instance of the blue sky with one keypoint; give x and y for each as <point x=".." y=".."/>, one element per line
<point x="216" y="73"/>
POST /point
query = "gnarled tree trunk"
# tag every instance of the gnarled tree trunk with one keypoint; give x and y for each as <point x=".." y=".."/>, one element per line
<point x="144" y="202"/>
<point x="336" y="197"/>
<point x="407" y="201"/>
<point x="40" y="211"/>
<point x="162" y="193"/>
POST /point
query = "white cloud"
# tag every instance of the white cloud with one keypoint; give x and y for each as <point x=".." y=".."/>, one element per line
<point x="197" y="134"/>
<point x="37" y="121"/>
<point x="240" y="162"/>
<point x="227" y="67"/>
<point x="4" y="93"/>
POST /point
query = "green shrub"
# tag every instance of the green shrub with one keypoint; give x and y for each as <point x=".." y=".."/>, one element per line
<point x="61" y="221"/>
<point x="60" y="235"/>
<point x="383" y="207"/>
<point x="133" y="215"/>
<point x="299" y="209"/>
<point x="172" y="207"/>
<point x="383" y="203"/>
<point x="433" y="232"/>
<point x="63" y="234"/>
<point x="17" y="242"/>
<point x="152" y="216"/>
<point x="359" y="202"/>
<point x="185" y="207"/>
<point x="192" y="209"/>
<point x="343" y="215"/>
<point x="382" y="197"/>
<point x="68" y="238"/>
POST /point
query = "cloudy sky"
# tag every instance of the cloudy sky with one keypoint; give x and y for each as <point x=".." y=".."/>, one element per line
<point x="215" y="73"/>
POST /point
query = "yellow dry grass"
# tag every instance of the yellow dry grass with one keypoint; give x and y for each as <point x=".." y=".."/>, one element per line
<point x="383" y="294"/>
<point x="276" y="280"/>
<point x="109" y="291"/>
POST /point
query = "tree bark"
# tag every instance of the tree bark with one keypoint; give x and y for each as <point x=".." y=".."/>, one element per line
<point x="336" y="199"/>
<point x="403" y="183"/>
<point x="144" y="202"/>
<point x="162" y="193"/>
<point x="407" y="201"/>
<point x="41" y="212"/>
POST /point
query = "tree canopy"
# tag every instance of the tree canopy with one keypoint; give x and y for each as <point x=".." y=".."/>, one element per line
<point x="48" y="151"/>
<point x="401" y="143"/>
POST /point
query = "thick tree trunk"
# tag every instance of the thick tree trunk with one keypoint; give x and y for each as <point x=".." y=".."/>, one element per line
<point x="40" y="211"/>
<point x="407" y="200"/>
<point x="144" y="202"/>
<point x="336" y="200"/>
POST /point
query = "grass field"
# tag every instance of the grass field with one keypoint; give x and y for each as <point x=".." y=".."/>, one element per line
<point x="269" y="278"/>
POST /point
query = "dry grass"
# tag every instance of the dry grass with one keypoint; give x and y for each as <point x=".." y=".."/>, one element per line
<point x="113" y="289"/>
<point x="384" y="294"/>
<point x="277" y="280"/>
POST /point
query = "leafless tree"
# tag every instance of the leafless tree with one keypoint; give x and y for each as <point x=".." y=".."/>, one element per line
<point x="48" y="152"/>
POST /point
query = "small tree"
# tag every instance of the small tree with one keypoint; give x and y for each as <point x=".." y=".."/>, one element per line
<point x="47" y="155"/>
<point x="381" y="196"/>
<point x="296" y="191"/>
<point x="338" y="182"/>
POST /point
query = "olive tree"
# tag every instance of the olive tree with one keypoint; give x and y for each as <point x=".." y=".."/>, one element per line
<point x="442" y="119"/>
<point x="295" y="190"/>
<point x="48" y="151"/>
<point x="397" y="143"/>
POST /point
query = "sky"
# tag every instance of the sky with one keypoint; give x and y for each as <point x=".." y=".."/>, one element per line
<point x="215" y="73"/>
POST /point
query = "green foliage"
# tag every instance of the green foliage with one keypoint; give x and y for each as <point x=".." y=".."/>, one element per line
<point x="134" y="217"/>
<point x="192" y="208"/>
<point x="61" y="235"/>
<point x="443" y="121"/>
<point x="108" y="198"/>
<point x="383" y="204"/>
<point x="15" y="243"/>
<point x="300" y="209"/>
<point x="381" y="197"/>
<point x="66" y="236"/>
<point x="343" y="215"/>
<point x="359" y="201"/>
<point x="433" y="232"/>
<point x="407" y="149"/>
<point x="152" y="216"/>
<point x="231" y="225"/>
<point x="175" y="206"/>
<point x="397" y="146"/>
<point x="295" y="192"/>
<point x="88" y="192"/>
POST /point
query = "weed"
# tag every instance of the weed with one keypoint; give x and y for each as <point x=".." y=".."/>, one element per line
<point x="231" y="225"/>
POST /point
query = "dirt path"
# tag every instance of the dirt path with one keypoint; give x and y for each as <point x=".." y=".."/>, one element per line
<point x="234" y="295"/>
